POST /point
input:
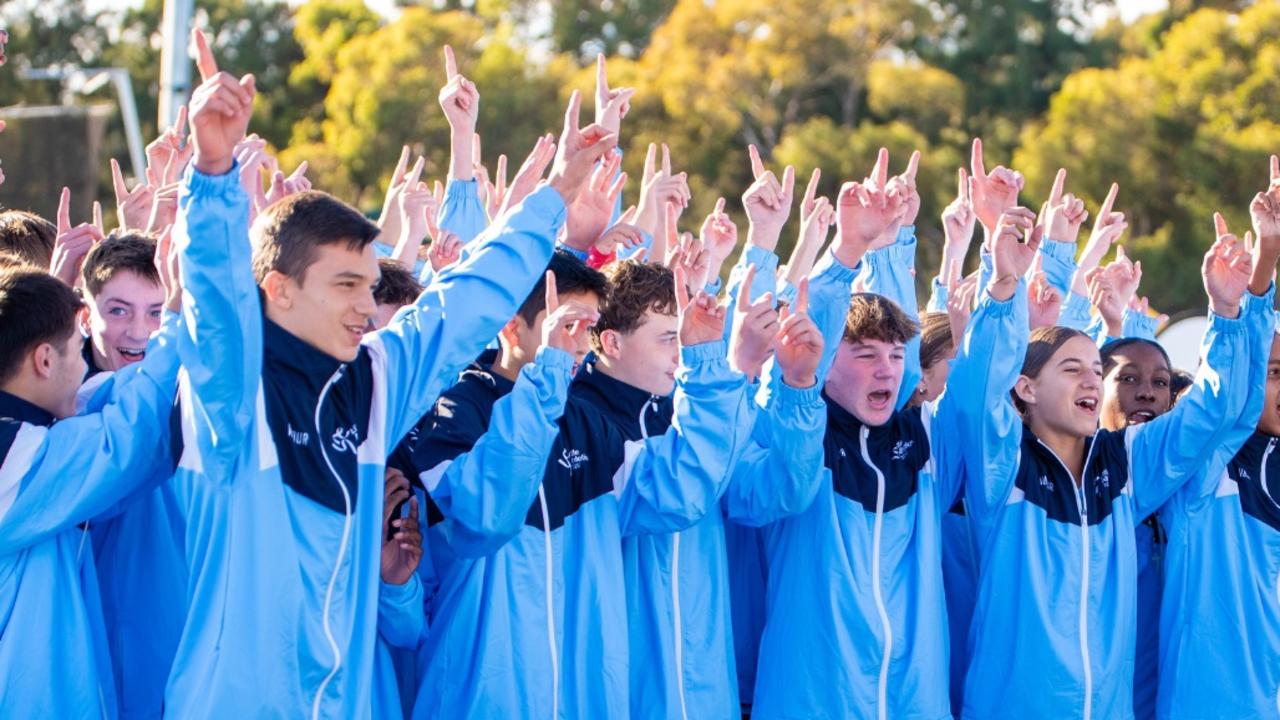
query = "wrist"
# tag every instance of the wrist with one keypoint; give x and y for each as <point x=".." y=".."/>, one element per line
<point x="1224" y="309"/>
<point x="1002" y="288"/>
<point x="212" y="165"/>
<point x="799" y="381"/>
<point x="762" y="237"/>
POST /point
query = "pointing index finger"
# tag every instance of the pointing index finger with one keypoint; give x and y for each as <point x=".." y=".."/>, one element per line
<point x="1059" y="180"/>
<point x="450" y="63"/>
<point x="744" y="291"/>
<point x="802" y="297"/>
<point x="64" y="212"/>
<point x="1109" y="201"/>
<point x="976" y="164"/>
<point x="552" y="294"/>
<point x="117" y="181"/>
<point x="205" y="62"/>
<point x="913" y="165"/>
<point x="757" y="166"/>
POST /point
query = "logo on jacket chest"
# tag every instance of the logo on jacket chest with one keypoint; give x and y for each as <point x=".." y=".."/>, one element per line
<point x="345" y="439"/>
<point x="901" y="448"/>
<point x="571" y="459"/>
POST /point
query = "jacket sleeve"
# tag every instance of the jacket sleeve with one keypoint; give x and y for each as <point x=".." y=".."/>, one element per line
<point x="484" y="490"/>
<point x="1221" y="408"/>
<point x="401" y="612"/>
<point x="461" y="311"/>
<point x="1139" y="325"/>
<point x="765" y="281"/>
<point x="1058" y="263"/>
<point x="974" y="430"/>
<point x="221" y="345"/>
<point x="780" y="472"/>
<point x="1075" y="312"/>
<point x="462" y="213"/>
<point x="890" y="272"/>
<point x="938" y="295"/>
<point x="53" y="478"/>
<point x="668" y="483"/>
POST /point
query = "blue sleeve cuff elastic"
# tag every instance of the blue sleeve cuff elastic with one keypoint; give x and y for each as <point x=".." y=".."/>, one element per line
<point x="203" y="184"/>
<point x="713" y="288"/>
<point x="1075" y="312"/>
<point x="547" y="202"/>
<point x="692" y="355"/>
<point x="764" y="260"/>
<point x="787" y="292"/>
<point x="398" y="594"/>
<point x="580" y="254"/>
<point x="554" y="359"/>
<point x="938" y="296"/>
<point x="788" y="397"/>
<point x="1138" y="325"/>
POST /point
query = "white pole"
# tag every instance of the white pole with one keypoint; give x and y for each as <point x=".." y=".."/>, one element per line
<point x="175" y="67"/>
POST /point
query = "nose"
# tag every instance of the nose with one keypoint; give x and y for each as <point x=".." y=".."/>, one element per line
<point x="1146" y="392"/>
<point x="139" y="329"/>
<point x="365" y="304"/>
<point x="883" y="370"/>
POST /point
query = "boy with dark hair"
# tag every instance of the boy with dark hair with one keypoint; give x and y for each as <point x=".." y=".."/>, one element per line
<point x="28" y="236"/>
<point x="396" y="288"/>
<point x="124" y="301"/>
<point x="290" y="410"/>
<point x="58" y="473"/>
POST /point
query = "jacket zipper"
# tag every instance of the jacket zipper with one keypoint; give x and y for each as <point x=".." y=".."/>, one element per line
<point x="882" y="688"/>
<point x="1262" y="479"/>
<point x="551" y="607"/>
<point x="342" y="551"/>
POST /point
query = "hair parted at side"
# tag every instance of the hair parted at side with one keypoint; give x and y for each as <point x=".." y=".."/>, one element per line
<point x="132" y="251"/>
<point x="634" y="289"/>
<point x="396" y="286"/>
<point x="28" y="236"/>
<point x="35" y="308"/>
<point x="935" y="339"/>
<point x="287" y="233"/>
<point x="573" y="277"/>
<point x="1043" y="344"/>
<point x="875" y="317"/>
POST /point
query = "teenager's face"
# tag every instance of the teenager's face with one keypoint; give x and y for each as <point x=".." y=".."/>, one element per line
<point x="529" y="337"/>
<point x="933" y="380"/>
<point x="1066" y="397"/>
<point x="332" y="308"/>
<point x="1137" y="389"/>
<point x="864" y="378"/>
<point x="122" y="317"/>
<point x="647" y="357"/>
<point x="1269" y="423"/>
<point x="67" y="369"/>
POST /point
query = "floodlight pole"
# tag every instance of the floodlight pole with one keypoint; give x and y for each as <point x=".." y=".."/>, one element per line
<point x="175" y="67"/>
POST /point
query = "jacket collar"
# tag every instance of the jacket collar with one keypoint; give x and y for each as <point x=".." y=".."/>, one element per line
<point x="89" y="359"/>
<point x="15" y="408"/>
<point x="612" y="394"/>
<point x="841" y="419"/>
<point x="286" y="351"/>
<point x="481" y="371"/>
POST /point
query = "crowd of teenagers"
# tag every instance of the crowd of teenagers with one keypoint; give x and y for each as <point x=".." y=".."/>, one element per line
<point x="513" y="452"/>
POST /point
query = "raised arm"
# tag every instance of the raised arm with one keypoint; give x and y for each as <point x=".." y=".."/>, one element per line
<point x="468" y="302"/>
<point x="221" y="346"/>
<point x="974" y="429"/>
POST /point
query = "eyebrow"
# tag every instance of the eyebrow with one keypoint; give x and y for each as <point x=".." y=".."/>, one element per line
<point x="122" y="301"/>
<point x="353" y="275"/>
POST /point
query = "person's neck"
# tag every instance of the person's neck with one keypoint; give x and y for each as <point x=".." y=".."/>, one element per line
<point x="1069" y="448"/>
<point x="604" y="367"/>
<point x="26" y="388"/>
<point x="508" y="364"/>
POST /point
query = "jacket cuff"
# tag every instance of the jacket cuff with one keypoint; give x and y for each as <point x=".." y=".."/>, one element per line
<point x="546" y="204"/>
<point x="693" y="355"/>
<point x="788" y="397"/>
<point x="200" y="184"/>
<point x="399" y="594"/>
<point x="554" y="359"/>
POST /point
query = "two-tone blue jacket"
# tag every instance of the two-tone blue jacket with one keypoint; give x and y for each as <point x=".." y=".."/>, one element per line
<point x="54" y="478"/>
<point x="282" y="471"/>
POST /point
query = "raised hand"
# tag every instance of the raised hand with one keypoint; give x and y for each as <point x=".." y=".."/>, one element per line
<point x="166" y="262"/>
<point x="444" y="250"/>
<point x="491" y="191"/>
<point x="957" y="224"/>
<point x="1264" y="211"/>
<point x="701" y="320"/>
<point x="590" y="213"/>
<point x="220" y="111"/>
<point x="611" y="105"/>
<point x="71" y="243"/>
<point x="1104" y="296"/>
<point x="755" y="328"/>
<point x="578" y="152"/>
<point x="688" y="255"/>
<point x="1107" y="228"/>
<point x="659" y="186"/>
<point x="1125" y="276"/>
<point x="167" y="155"/>
<point x="798" y="346"/>
<point x="905" y="185"/>
<point x="460" y="101"/>
<point x="767" y="202"/>
<point x="418" y="208"/>
<point x="960" y="298"/>
<point x="992" y="193"/>
<point x="529" y="174"/>
<point x="1013" y="250"/>
<point x="164" y="211"/>
<point x="1226" y="270"/>
<point x="719" y="237"/>
<point x="133" y="207"/>
<point x="816" y="218"/>
<point x="866" y="214"/>
<point x="1044" y="302"/>
<point x="402" y="540"/>
<point x="566" y="327"/>
<point x="620" y="233"/>
<point x="282" y="187"/>
<point x="1063" y="218"/>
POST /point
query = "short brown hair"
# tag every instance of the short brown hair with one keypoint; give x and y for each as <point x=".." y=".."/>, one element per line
<point x="875" y="317"/>
<point x="132" y="251"/>
<point x="573" y="277"/>
<point x="28" y="236"/>
<point x="397" y="286"/>
<point x="935" y="339"/>
<point x="287" y="233"/>
<point x="1043" y="344"/>
<point x="35" y="308"/>
<point x="634" y="289"/>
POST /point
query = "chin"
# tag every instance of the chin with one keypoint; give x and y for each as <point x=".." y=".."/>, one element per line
<point x="875" y="417"/>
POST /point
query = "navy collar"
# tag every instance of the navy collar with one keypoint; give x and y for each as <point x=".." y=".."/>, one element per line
<point x="613" y="394"/>
<point x="843" y="420"/>
<point x="15" y="408"/>
<point x="90" y="359"/>
<point x="482" y="371"/>
<point x="284" y="350"/>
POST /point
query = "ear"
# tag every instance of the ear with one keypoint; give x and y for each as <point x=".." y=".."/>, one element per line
<point x="923" y="387"/>
<point x="1025" y="389"/>
<point x="82" y="320"/>
<point x="611" y="344"/>
<point x="510" y="333"/>
<point x="278" y="289"/>
<point x="42" y="360"/>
